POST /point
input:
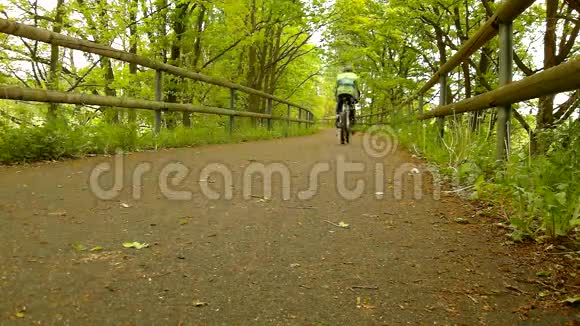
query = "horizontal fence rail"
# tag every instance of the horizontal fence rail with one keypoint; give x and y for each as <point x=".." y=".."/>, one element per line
<point x="507" y="12"/>
<point x="40" y="95"/>
<point x="364" y="120"/>
<point x="562" y="78"/>
<point x="46" y="36"/>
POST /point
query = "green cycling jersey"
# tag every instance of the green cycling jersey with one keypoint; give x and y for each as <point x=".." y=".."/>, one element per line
<point x="347" y="83"/>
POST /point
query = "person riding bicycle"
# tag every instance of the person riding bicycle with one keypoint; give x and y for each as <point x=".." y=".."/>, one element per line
<point x="347" y="91"/>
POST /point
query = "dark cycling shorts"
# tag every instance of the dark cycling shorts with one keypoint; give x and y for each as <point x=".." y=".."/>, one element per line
<point x="344" y="98"/>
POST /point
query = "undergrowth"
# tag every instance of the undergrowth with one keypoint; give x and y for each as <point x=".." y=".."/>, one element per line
<point x="24" y="144"/>
<point x="541" y="193"/>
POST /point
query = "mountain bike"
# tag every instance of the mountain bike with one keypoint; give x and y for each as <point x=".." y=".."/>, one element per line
<point x="344" y="123"/>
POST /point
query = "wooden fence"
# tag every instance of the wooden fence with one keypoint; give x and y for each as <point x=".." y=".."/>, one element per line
<point x="305" y="116"/>
<point x="562" y="78"/>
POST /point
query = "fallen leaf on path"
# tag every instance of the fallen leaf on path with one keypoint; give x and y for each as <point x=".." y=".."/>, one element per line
<point x="461" y="221"/>
<point x="543" y="294"/>
<point x="363" y="304"/>
<point x="79" y="247"/>
<point x="97" y="248"/>
<point x="21" y="313"/>
<point x="543" y="274"/>
<point x="124" y="205"/>
<point x="198" y="303"/>
<point x="294" y="265"/>
<point x="135" y="245"/>
<point x="344" y="225"/>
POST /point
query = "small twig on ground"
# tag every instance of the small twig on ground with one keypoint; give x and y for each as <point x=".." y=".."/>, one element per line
<point x="489" y="294"/>
<point x="458" y="190"/>
<point x="562" y="253"/>
<point x="473" y="299"/>
<point x="503" y="226"/>
<point x="572" y="286"/>
<point x="513" y="288"/>
<point x="331" y="223"/>
<point x="365" y="287"/>
<point x="549" y="286"/>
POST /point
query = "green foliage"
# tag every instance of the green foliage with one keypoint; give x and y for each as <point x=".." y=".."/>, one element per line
<point x="397" y="45"/>
<point x="543" y="192"/>
<point x="546" y="190"/>
<point x="57" y="141"/>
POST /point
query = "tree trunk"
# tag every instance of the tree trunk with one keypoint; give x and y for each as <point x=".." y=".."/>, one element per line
<point x="54" y="59"/>
<point x="199" y="31"/>
<point x="545" y="117"/>
<point x="132" y="116"/>
<point x="175" y="59"/>
<point x="475" y="120"/>
<point x="111" y="114"/>
<point x="253" y="100"/>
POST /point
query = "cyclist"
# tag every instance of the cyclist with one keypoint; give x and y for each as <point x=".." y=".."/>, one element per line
<point x="347" y="91"/>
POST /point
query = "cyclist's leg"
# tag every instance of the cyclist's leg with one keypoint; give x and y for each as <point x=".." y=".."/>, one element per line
<point x="339" y="104"/>
<point x="352" y="111"/>
<point x="338" y="110"/>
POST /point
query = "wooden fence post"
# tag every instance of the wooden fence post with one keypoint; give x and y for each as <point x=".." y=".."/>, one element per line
<point x="269" y="111"/>
<point x="159" y="98"/>
<point x="505" y="77"/>
<point x="232" y="107"/>
<point x="288" y="120"/>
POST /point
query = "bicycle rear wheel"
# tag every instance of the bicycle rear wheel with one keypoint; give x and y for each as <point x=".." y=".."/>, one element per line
<point x="345" y="125"/>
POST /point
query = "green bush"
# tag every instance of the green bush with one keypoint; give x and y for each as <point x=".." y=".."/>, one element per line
<point x="58" y="141"/>
<point x="543" y="192"/>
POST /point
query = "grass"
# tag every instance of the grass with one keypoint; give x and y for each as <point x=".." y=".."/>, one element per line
<point x="27" y="144"/>
<point x="540" y="193"/>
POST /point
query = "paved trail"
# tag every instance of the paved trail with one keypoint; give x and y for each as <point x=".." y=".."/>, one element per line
<point x="257" y="261"/>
